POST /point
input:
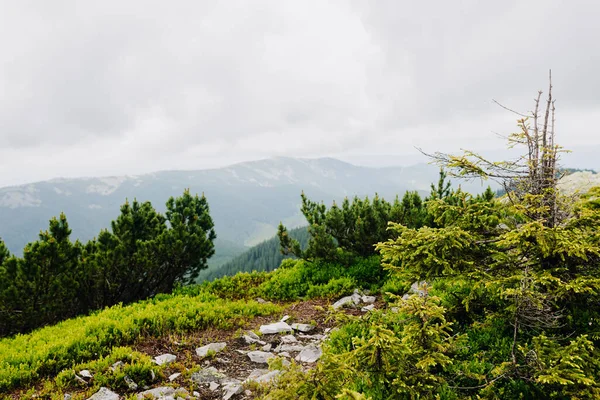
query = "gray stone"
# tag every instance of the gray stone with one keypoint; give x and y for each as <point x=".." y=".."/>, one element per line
<point x="368" y="299"/>
<point x="163" y="393"/>
<point x="284" y="354"/>
<point x="213" y="386"/>
<point x="266" y="347"/>
<point x="174" y="376"/>
<point x="232" y="388"/>
<point x="67" y="396"/>
<point x="263" y="376"/>
<point x="370" y="307"/>
<point x="117" y="365"/>
<point x="261" y="301"/>
<point x="130" y="383"/>
<point x="251" y="337"/>
<point x="317" y="337"/>
<point x="212" y="348"/>
<point x="104" y="394"/>
<point x="260" y="357"/>
<point x="289" y="339"/>
<point x="207" y="375"/>
<point x="86" y="374"/>
<point x="196" y="394"/>
<point x="289" y="347"/>
<point x="310" y="354"/>
<point x="305" y="328"/>
<point x="285" y="318"/>
<point x="277" y="327"/>
<point x="347" y="301"/>
<point x="165" y="359"/>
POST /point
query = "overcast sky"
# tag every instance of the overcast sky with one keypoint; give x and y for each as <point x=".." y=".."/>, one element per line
<point x="91" y="88"/>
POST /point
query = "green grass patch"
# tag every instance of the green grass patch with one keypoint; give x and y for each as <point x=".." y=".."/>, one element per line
<point x="47" y="351"/>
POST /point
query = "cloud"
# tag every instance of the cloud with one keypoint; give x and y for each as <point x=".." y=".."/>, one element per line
<point x="127" y="87"/>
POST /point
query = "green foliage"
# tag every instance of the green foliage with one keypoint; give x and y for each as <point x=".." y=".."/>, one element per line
<point x="144" y="254"/>
<point x="351" y="229"/>
<point x="41" y="287"/>
<point x="49" y="350"/>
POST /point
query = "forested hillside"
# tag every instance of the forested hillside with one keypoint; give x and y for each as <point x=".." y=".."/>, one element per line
<point x="265" y="256"/>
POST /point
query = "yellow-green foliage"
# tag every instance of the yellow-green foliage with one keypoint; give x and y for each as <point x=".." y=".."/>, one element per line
<point x="49" y="350"/>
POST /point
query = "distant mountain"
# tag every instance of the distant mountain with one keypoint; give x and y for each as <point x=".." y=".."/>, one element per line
<point x="247" y="200"/>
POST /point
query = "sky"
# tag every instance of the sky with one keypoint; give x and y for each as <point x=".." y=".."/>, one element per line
<point x="94" y="88"/>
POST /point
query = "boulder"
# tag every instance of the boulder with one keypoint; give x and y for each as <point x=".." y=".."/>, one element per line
<point x="277" y="327"/>
<point x="305" y="328"/>
<point x="212" y="348"/>
<point x="104" y="394"/>
<point x="310" y="354"/>
<point x="165" y="359"/>
<point x="260" y="357"/>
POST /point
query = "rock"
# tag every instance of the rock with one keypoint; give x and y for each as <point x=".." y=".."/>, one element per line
<point x="285" y="318"/>
<point x="196" y="394"/>
<point x="117" y="365"/>
<point x="370" y="307"/>
<point x="284" y="354"/>
<point x="251" y="337"/>
<point x="266" y="347"/>
<point x="310" y="354"/>
<point x="86" y="374"/>
<point x="165" y="359"/>
<point x="212" y="348"/>
<point x="417" y="288"/>
<point x="67" y="396"/>
<point x="347" y="301"/>
<point x="130" y="383"/>
<point x="262" y="376"/>
<point x="241" y="351"/>
<point x="104" y="394"/>
<point x="80" y="380"/>
<point x="289" y="339"/>
<point x="277" y="327"/>
<point x="164" y="393"/>
<point x="303" y="327"/>
<point x="289" y="347"/>
<point x="207" y="375"/>
<point x="260" y="357"/>
<point x="247" y="393"/>
<point x="232" y="388"/>
<point x="316" y="337"/>
<point x="174" y="376"/>
<point x="261" y="301"/>
<point x="213" y="386"/>
<point x="152" y="375"/>
<point x="368" y="299"/>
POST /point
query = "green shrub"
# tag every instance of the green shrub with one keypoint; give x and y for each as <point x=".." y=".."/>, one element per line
<point x="334" y="288"/>
<point x="49" y="350"/>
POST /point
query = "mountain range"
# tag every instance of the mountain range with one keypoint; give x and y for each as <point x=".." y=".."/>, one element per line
<point x="247" y="200"/>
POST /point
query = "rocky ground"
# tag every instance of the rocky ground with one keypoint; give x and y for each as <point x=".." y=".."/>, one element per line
<point x="227" y="363"/>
